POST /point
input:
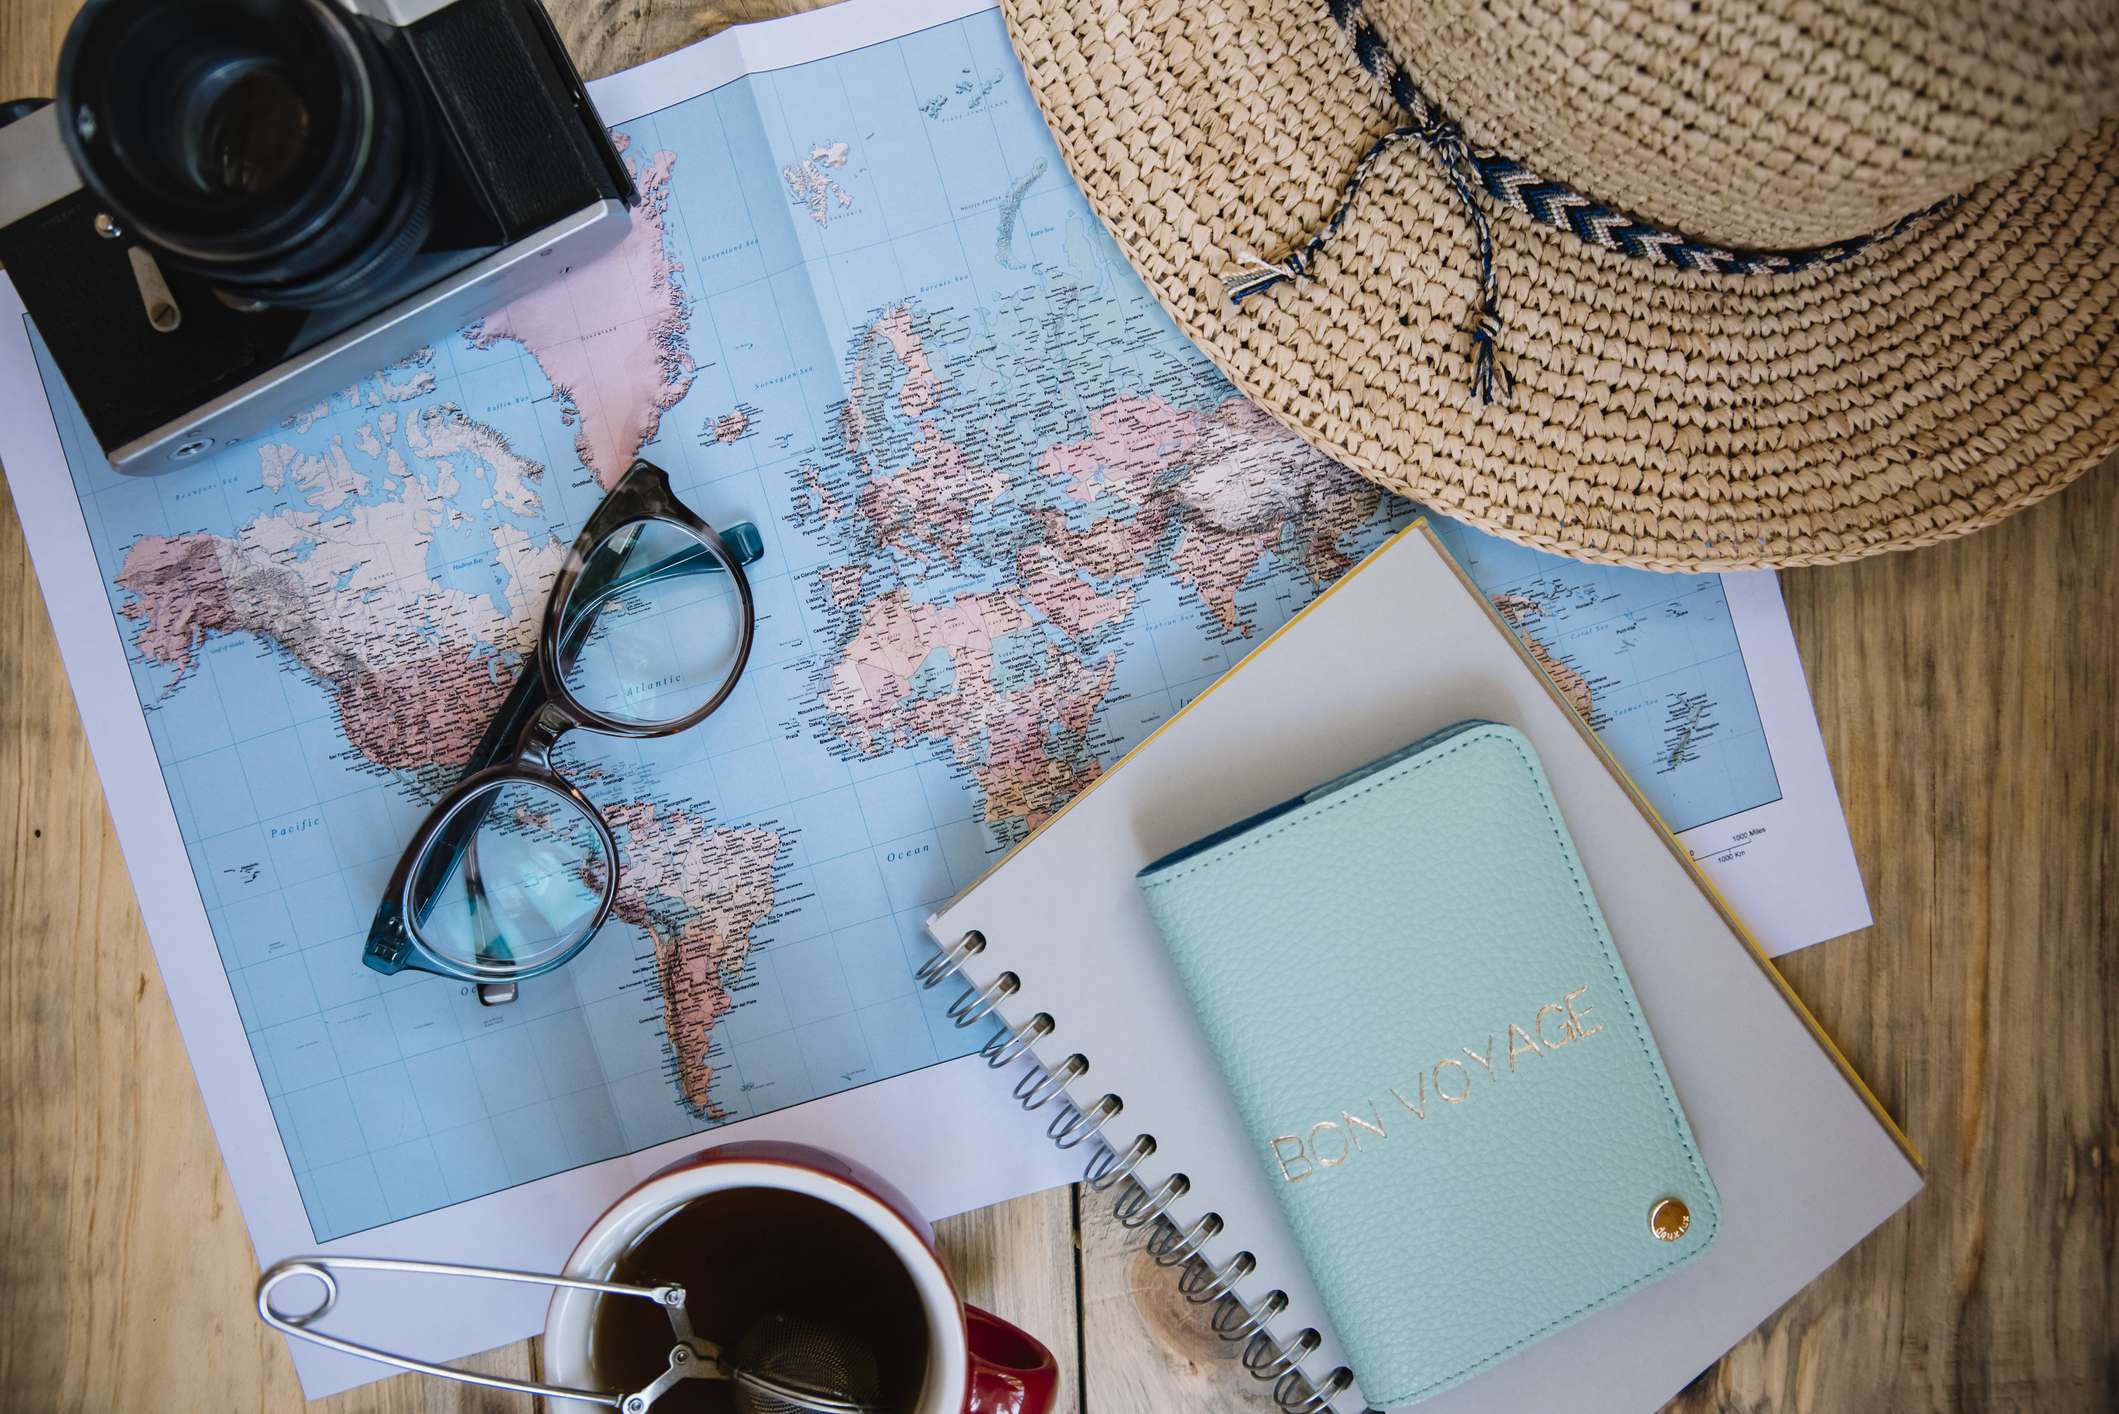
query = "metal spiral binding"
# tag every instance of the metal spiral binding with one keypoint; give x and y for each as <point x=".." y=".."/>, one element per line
<point x="1254" y="1319"/>
<point x="972" y="1007"/>
<point x="1268" y="1359"/>
<point x="1136" y="1205"/>
<point x="1006" y="1045"/>
<point x="1073" y="1125"/>
<point x="1107" y="1167"/>
<point x="946" y="964"/>
<point x="1172" y="1246"/>
<point x="1039" y="1084"/>
<point x="1201" y="1283"/>
<point x="1288" y="1391"/>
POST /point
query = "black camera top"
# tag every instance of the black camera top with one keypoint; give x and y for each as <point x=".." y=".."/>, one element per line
<point x="236" y="207"/>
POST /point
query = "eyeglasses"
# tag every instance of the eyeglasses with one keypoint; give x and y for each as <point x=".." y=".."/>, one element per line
<point x="644" y="635"/>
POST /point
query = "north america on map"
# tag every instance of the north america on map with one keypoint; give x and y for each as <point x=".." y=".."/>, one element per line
<point x="1013" y="521"/>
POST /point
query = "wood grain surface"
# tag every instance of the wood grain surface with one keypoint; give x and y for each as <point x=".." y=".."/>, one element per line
<point x="1967" y="695"/>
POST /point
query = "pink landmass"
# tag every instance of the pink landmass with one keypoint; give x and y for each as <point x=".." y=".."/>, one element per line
<point x="1070" y="601"/>
<point x="919" y="394"/>
<point x="1131" y="443"/>
<point x="1004" y="736"/>
<point x="925" y="508"/>
<point x="731" y="425"/>
<point x="698" y="891"/>
<point x="1250" y="483"/>
<point x="1521" y="612"/>
<point x="180" y="594"/>
<point x="1021" y="777"/>
<point x="921" y="391"/>
<point x="1217" y="492"/>
<point x="611" y="335"/>
<point x="896" y="637"/>
<point x="1217" y="563"/>
<point x="1111" y="547"/>
<point x="1236" y="480"/>
<point x="842" y="583"/>
<point x="414" y="669"/>
<point x="419" y="711"/>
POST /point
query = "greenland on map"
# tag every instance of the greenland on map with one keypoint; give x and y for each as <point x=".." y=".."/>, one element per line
<point x="1012" y="522"/>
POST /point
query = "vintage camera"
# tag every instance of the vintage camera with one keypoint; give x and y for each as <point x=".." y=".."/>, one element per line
<point x="234" y="208"/>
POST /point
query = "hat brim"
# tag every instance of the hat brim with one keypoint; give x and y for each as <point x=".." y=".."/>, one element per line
<point x="1931" y="385"/>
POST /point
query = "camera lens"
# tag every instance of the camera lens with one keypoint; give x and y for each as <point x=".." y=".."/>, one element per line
<point x="247" y="127"/>
<point x="273" y="146"/>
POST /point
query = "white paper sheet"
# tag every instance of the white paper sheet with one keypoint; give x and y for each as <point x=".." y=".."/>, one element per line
<point x="1787" y="867"/>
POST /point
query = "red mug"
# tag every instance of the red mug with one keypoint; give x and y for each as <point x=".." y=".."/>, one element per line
<point x="977" y="1363"/>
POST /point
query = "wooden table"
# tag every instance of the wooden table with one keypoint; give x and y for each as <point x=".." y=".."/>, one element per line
<point x="1968" y="697"/>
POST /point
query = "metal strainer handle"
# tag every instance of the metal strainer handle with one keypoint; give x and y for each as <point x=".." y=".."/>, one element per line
<point x="689" y="1348"/>
<point x="800" y="1398"/>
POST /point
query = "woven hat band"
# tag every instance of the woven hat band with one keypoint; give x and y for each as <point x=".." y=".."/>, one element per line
<point x="1479" y="176"/>
<point x="1764" y="123"/>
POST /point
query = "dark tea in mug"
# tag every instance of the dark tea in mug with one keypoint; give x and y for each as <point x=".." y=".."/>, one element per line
<point x="756" y="1260"/>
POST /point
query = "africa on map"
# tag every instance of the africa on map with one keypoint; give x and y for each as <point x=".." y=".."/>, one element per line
<point x="1012" y="520"/>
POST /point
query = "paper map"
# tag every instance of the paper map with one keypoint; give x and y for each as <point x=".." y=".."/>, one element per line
<point x="1012" y="520"/>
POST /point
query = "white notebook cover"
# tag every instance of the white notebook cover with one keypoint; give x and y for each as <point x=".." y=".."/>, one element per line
<point x="1806" y="1160"/>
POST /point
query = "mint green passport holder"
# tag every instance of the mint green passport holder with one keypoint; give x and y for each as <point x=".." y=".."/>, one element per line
<point x="1407" y="982"/>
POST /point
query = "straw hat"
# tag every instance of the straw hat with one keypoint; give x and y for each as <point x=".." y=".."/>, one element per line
<point x="1677" y="283"/>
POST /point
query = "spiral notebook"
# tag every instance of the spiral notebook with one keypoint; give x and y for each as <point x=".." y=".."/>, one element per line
<point x="1053" y="955"/>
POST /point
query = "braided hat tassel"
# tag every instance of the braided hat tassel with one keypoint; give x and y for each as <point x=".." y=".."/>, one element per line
<point x="1445" y="142"/>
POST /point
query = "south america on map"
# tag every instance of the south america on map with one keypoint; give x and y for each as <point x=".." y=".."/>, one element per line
<point x="1012" y="522"/>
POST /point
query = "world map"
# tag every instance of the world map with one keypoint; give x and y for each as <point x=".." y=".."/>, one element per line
<point x="1013" y="521"/>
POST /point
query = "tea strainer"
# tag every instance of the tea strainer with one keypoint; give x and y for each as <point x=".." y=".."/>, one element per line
<point x="783" y="1364"/>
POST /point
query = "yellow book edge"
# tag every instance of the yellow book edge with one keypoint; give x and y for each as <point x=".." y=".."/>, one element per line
<point x="1670" y="840"/>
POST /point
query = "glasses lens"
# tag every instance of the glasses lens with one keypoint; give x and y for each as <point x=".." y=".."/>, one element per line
<point x="655" y="628"/>
<point x="512" y="882"/>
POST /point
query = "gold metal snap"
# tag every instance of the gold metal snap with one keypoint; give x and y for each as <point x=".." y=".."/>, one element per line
<point x="1669" y="1219"/>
